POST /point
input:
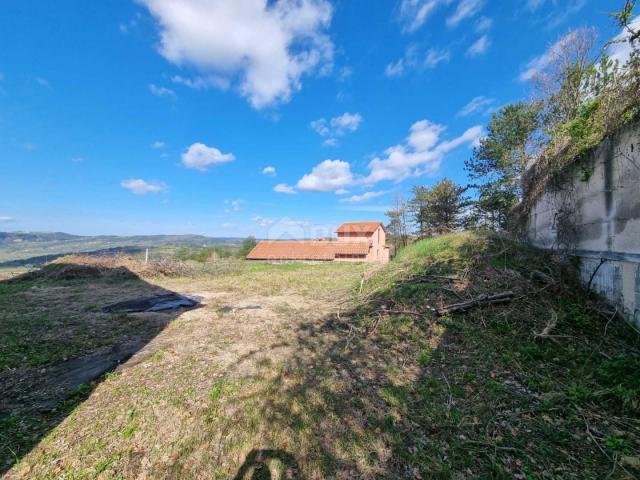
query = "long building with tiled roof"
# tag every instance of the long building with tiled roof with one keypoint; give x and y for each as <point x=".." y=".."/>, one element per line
<point x="356" y="242"/>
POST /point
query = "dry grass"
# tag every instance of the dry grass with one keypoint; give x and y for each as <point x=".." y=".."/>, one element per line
<point x="305" y="387"/>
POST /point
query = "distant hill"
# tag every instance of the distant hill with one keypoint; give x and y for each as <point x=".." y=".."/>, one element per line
<point x="38" y="247"/>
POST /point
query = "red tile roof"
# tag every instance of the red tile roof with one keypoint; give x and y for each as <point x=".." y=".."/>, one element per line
<point x="305" y="249"/>
<point x="359" y="227"/>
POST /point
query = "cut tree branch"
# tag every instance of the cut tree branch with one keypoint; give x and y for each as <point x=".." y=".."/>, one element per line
<point x="476" y="302"/>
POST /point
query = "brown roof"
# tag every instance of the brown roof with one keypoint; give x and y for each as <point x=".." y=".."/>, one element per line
<point x="305" y="249"/>
<point x="359" y="227"/>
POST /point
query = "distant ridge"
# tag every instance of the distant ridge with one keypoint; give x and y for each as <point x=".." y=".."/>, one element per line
<point x="21" y="246"/>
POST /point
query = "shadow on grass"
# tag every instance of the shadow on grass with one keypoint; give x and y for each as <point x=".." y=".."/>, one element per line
<point x="259" y="463"/>
<point x="57" y="344"/>
<point x="373" y="394"/>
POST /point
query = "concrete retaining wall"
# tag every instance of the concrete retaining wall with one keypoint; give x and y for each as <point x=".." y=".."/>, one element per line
<point x="594" y="213"/>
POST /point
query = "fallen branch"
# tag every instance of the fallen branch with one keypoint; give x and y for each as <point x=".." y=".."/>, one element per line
<point x="476" y="302"/>
<point x="550" y="326"/>
<point x="542" y="277"/>
<point x="432" y="278"/>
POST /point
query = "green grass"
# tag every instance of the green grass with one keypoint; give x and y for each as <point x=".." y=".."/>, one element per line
<point x="367" y="394"/>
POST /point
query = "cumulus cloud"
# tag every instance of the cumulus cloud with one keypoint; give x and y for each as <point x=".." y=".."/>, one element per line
<point x="362" y="198"/>
<point x="337" y="126"/>
<point x="267" y="45"/>
<point x="269" y="171"/>
<point x="464" y="10"/>
<point x="139" y="186"/>
<point x="200" y="157"/>
<point x="327" y="176"/>
<point x="6" y="218"/>
<point x="421" y="154"/>
<point x="414" y="13"/>
<point x="161" y="91"/>
<point x="479" y="47"/>
<point x="476" y="105"/>
<point x="284" y="188"/>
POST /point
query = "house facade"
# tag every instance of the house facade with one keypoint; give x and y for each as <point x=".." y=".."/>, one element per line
<point x="355" y="242"/>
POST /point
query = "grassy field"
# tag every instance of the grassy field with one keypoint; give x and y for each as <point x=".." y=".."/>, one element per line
<point x="343" y="371"/>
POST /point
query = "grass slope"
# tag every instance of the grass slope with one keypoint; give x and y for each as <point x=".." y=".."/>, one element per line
<point x="334" y="377"/>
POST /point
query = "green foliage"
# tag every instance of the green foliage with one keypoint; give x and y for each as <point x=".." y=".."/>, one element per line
<point x="438" y="208"/>
<point x="247" y="245"/>
<point x="500" y="160"/>
<point x="203" y="254"/>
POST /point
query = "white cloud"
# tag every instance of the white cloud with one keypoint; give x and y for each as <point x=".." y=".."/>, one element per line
<point x="158" y="145"/>
<point x="142" y="187"/>
<point x="435" y="56"/>
<point x="6" y="218"/>
<point x="267" y="45"/>
<point x="479" y="47"/>
<point x="262" y="221"/>
<point x="200" y="83"/>
<point x="200" y="157"/>
<point x="234" y="205"/>
<point x="327" y="176"/>
<point x="362" y="198"/>
<point x="344" y="73"/>
<point x="395" y="69"/>
<point x="413" y="13"/>
<point x="336" y="127"/>
<point x="483" y="24"/>
<point x="541" y="62"/>
<point x="477" y="104"/>
<point x="411" y="59"/>
<point x="465" y="9"/>
<point x="534" y="4"/>
<point x="161" y="91"/>
<point x="620" y="48"/>
<point x="421" y="154"/>
<point x="284" y="188"/>
<point x="43" y="82"/>
<point x="269" y="171"/>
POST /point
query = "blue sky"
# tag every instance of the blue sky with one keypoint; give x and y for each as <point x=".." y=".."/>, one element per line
<point x="237" y="117"/>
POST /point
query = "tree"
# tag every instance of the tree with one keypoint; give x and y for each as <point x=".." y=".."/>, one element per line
<point x="439" y="208"/>
<point x="445" y="204"/>
<point x="397" y="226"/>
<point x="418" y="209"/>
<point x="501" y="158"/>
<point x="246" y="246"/>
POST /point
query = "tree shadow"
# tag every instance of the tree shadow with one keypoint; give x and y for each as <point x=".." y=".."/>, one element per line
<point x="58" y="343"/>
<point x="258" y="464"/>
<point x="375" y="394"/>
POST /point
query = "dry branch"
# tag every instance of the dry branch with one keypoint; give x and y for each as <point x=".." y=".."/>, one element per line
<point x="476" y="302"/>
<point x="550" y="326"/>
